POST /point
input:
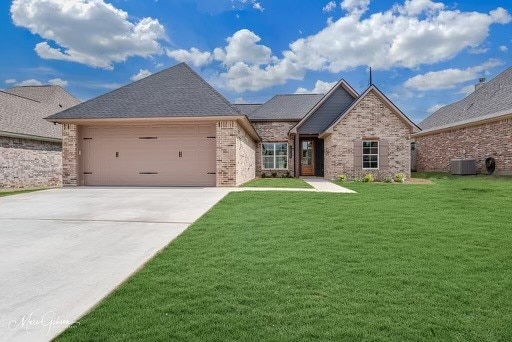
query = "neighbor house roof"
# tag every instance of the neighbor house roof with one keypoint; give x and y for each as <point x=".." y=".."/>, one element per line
<point x="286" y="107"/>
<point x="23" y="109"/>
<point x="491" y="99"/>
<point x="174" y="92"/>
<point x="247" y="108"/>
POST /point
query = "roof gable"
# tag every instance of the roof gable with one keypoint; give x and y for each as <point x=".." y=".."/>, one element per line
<point x="343" y="84"/>
<point x="327" y="112"/>
<point x="373" y="89"/>
<point x="174" y="92"/>
<point x="492" y="98"/>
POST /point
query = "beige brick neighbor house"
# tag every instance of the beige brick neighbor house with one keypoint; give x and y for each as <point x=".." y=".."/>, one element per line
<point x="476" y="127"/>
<point x="173" y="129"/>
<point x="30" y="147"/>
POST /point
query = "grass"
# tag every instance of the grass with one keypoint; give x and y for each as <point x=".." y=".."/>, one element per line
<point x="390" y="263"/>
<point x="276" y="183"/>
<point x="4" y="193"/>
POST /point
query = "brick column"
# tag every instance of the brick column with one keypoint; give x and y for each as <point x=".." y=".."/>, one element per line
<point x="69" y="155"/>
<point x="226" y="133"/>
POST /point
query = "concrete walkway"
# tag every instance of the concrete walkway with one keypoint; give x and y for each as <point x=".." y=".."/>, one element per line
<point x="324" y="185"/>
<point x="63" y="250"/>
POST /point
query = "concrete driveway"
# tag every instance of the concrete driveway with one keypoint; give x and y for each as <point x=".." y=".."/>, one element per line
<point x="63" y="250"/>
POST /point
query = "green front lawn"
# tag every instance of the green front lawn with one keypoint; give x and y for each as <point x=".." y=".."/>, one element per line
<point x="15" y="192"/>
<point x="390" y="263"/>
<point x="276" y="183"/>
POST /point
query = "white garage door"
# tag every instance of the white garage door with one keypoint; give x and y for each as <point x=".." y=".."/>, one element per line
<point x="173" y="155"/>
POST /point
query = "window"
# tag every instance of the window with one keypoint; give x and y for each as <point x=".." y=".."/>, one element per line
<point x="370" y="154"/>
<point x="274" y="155"/>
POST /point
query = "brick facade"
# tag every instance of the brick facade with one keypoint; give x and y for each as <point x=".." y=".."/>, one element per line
<point x="371" y="119"/>
<point x="234" y="154"/>
<point x="491" y="139"/>
<point x="69" y="155"/>
<point x="245" y="156"/>
<point x="26" y="163"/>
<point x="274" y="131"/>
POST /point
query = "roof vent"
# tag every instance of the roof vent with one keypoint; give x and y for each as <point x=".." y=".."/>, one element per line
<point x="481" y="82"/>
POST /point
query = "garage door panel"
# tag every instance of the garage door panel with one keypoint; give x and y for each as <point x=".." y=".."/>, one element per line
<point x="149" y="156"/>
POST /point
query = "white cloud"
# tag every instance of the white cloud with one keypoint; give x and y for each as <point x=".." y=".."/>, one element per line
<point x="141" y="74"/>
<point x="58" y="82"/>
<point x="240" y="100"/>
<point x="408" y="35"/>
<point x="503" y="48"/>
<point x="477" y="50"/>
<point x="435" y="108"/>
<point x="34" y="82"/>
<point x="321" y="87"/>
<point x="94" y="33"/>
<point x="448" y="78"/>
<point x="257" y="5"/>
<point x="355" y="7"/>
<point x="242" y="47"/>
<point x="31" y="82"/>
<point x="467" y="90"/>
<point x="192" y="56"/>
<point x="330" y="6"/>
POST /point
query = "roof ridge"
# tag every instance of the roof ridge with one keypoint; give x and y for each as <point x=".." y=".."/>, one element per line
<point x="212" y="88"/>
<point x="23" y="97"/>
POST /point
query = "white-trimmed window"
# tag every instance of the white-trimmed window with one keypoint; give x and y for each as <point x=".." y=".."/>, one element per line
<point x="274" y="156"/>
<point x="370" y="154"/>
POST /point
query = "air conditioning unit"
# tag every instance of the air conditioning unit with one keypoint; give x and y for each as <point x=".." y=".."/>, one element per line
<point x="463" y="166"/>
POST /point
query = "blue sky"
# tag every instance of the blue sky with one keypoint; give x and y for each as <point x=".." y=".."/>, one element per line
<point x="423" y="53"/>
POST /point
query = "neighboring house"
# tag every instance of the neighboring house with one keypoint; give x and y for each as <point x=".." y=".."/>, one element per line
<point x="30" y="147"/>
<point x="172" y="128"/>
<point x="476" y="127"/>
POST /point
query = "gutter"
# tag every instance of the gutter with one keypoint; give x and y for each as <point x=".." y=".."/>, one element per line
<point x="29" y="136"/>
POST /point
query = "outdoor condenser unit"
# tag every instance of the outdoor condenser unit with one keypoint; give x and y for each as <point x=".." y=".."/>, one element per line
<point x="463" y="166"/>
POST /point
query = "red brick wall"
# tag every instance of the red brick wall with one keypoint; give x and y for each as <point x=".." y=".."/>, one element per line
<point x="493" y="139"/>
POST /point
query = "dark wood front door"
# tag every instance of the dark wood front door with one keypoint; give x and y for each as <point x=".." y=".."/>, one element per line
<point x="307" y="160"/>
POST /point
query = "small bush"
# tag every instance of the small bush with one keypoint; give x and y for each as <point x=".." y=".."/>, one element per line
<point x="358" y="179"/>
<point x="263" y="175"/>
<point x="274" y="174"/>
<point x="342" y="178"/>
<point x="368" y="178"/>
<point x="287" y="174"/>
<point x="388" y="179"/>
<point x="400" y="177"/>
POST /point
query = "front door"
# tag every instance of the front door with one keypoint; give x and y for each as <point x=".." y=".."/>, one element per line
<point x="307" y="160"/>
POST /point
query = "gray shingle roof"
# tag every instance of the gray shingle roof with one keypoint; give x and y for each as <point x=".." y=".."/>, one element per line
<point x="286" y="107"/>
<point x="247" y="108"/>
<point x="493" y="97"/>
<point x="23" y="109"/>
<point x="174" y="92"/>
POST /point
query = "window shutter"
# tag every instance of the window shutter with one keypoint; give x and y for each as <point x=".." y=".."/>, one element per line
<point x="358" y="154"/>
<point x="383" y="154"/>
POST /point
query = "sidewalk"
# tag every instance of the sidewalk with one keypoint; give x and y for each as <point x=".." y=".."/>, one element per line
<point x="324" y="185"/>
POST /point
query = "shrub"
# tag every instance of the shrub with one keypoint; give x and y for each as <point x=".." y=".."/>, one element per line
<point x="400" y="177"/>
<point x="388" y="179"/>
<point x="274" y="174"/>
<point x="358" y="179"/>
<point x="263" y="175"/>
<point x="287" y="174"/>
<point x="342" y="178"/>
<point x="368" y="178"/>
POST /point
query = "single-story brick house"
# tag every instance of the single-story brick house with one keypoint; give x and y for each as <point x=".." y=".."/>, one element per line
<point x="476" y="127"/>
<point x="172" y="128"/>
<point x="30" y="147"/>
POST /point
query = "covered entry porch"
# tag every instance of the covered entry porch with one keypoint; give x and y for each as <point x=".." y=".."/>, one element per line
<point x="309" y="156"/>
